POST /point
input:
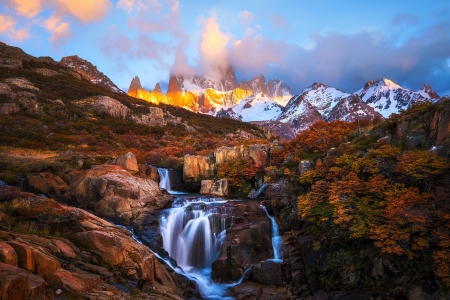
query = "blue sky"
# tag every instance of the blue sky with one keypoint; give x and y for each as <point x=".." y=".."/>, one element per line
<point x="340" y="43"/>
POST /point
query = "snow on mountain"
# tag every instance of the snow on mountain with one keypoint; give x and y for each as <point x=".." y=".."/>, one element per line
<point x="387" y="97"/>
<point x="254" y="108"/>
<point x="350" y="109"/>
<point x="90" y="72"/>
<point x="276" y="90"/>
<point x="300" y="113"/>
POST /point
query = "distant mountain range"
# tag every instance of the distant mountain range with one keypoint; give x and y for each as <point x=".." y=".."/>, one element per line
<point x="270" y="104"/>
<point x="273" y="104"/>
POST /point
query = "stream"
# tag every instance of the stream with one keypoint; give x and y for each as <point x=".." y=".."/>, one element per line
<point x="193" y="231"/>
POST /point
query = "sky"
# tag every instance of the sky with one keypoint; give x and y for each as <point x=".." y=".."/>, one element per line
<point x="342" y="43"/>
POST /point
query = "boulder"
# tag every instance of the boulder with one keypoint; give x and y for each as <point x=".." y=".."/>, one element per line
<point x="216" y="188"/>
<point x="108" y="245"/>
<point x="111" y="107"/>
<point x="66" y="248"/>
<point x="8" y="255"/>
<point x="44" y="263"/>
<point x="114" y="192"/>
<point x="49" y="185"/>
<point x="18" y="284"/>
<point x="127" y="162"/>
<point x="25" y="255"/>
<point x="155" y="117"/>
<point x="150" y="172"/>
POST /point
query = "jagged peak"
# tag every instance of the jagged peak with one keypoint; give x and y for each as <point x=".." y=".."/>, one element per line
<point x="157" y="88"/>
<point x="428" y="90"/>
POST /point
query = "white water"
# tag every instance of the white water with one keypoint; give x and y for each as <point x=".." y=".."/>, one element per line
<point x="277" y="241"/>
<point x="164" y="181"/>
<point x="193" y="231"/>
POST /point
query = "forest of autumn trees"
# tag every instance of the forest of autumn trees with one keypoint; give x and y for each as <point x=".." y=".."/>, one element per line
<point x="370" y="191"/>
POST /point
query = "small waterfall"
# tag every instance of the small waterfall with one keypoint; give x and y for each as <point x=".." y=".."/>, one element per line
<point x="164" y="180"/>
<point x="193" y="231"/>
<point x="277" y="241"/>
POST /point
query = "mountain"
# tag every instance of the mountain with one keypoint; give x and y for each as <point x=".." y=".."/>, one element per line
<point x="276" y="90"/>
<point x="299" y="114"/>
<point x="387" y="97"/>
<point x="90" y="72"/>
<point x="351" y="108"/>
<point x="254" y="108"/>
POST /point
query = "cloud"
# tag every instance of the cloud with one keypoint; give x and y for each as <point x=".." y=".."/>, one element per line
<point x="246" y="17"/>
<point x="181" y="65"/>
<point x="347" y="61"/>
<point x="404" y="19"/>
<point x="7" y="26"/>
<point x="278" y="22"/>
<point x="213" y="49"/>
<point x="62" y="15"/>
<point x="27" y="8"/>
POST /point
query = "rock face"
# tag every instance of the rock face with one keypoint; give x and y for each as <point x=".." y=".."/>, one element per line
<point x="8" y="108"/>
<point x="216" y="188"/>
<point x="114" y="192"/>
<point x="197" y="167"/>
<point x="135" y="86"/>
<point x="111" y="107"/>
<point x="247" y="242"/>
<point x="48" y="184"/>
<point x="155" y="117"/>
<point x="30" y="263"/>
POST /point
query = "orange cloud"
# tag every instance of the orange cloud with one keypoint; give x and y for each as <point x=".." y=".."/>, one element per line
<point x="84" y="10"/>
<point x="213" y="48"/>
<point x="27" y="8"/>
<point x="7" y="24"/>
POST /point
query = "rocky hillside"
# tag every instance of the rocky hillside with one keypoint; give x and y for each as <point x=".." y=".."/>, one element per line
<point x="88" y="71"/>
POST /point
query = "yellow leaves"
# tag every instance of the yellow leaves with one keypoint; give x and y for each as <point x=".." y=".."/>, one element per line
<point x="421" y="164"/>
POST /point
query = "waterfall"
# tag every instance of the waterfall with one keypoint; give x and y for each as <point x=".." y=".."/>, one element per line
<point x="193" y="231"/>
<point x="277" y="241"/>
<point x="164" y="180"/>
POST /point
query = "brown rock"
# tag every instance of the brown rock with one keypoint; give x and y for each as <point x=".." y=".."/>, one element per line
<point x="19" y="284"/>
<point x="8" y="255"/>
<point x="77" y="282"/>
<point x="44" y="263"/>
<point x="149" y="172"/>
<point x="65" y="248"/>
<point x="116" y="193"/>
<point x="109" y="246"/>
<point x="48" y="184"/>
<point x="24" y="255"/>
<point x="197" y="167"/>
<point x="127" y="162"/>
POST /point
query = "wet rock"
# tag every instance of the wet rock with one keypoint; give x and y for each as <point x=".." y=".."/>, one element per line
<point x="18" y="284"/>
<point x="127" y="162"/>
<point x="216" y="188"/>
<point x="312" y="250"/>
<point x="268" y="272"/>
<point x="49" y="185"/>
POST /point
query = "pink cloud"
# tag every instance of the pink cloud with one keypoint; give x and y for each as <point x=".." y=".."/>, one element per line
<point x="246" y="17"/>
<point x="278" y="22"/>
<point x="7" y="26"/>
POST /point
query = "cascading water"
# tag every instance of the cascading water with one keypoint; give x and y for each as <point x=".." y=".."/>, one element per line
<point x="277" y="241"/>
<point x="164" y="180"/>
<point x="192" y="232"/>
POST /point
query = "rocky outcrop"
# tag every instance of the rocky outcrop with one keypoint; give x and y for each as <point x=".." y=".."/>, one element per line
<point x="440" y="125"/>
<point x="90" y="72"/>
<point x="135" y="86"/>
<point x="155" y="117"/>
<point x="36" y="267"/>
<point x="127" y="162"/>
<point x="150" y="172"/>
<point x="46" y="72"/>
<point x="114" y="192"/>
<point x="216" y="188"/>
<point x="197" y="168"/>
<point x="111" y="107"/>
<point x="246" y="243"/>
<point x="49" y="185"/>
